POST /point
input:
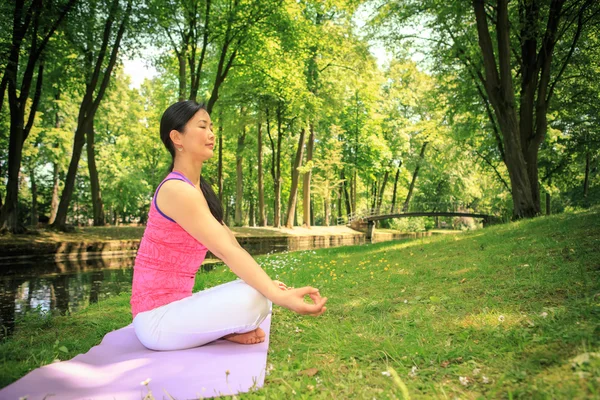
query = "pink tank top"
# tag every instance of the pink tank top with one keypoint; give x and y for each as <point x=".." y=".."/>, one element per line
<point x="167" y="260"/>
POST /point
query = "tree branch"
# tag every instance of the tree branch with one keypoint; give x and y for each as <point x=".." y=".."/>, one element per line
<point x="485" y="43"/>
<point x="570" y="53"/>
<point x="36" y="100"/>
<point x="494" y="168"/>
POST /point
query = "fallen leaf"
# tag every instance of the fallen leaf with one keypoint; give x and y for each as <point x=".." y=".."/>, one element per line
<point x="309" y="372"/>
<point x="445" y="364"/>
<point x="463" y="280"/>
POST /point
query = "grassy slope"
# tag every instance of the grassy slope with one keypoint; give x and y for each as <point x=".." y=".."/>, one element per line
<point x="512" y="303"/>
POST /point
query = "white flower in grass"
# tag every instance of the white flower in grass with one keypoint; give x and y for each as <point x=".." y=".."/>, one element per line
<point x="544" y="314"/>
<point x="146" y="382"/>
<point x="413" y="371"/>
<point x="386" y="373"/>
<point x="405" y="301"/>
<point x="463" y="380"/>
<point x="485" y="379"/>
<point x="270" y="368"/>
<point x="501" y="318"/>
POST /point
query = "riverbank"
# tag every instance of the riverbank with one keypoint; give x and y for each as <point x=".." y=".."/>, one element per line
<point x="94" y="242"/>
<point x="510" y="311"/>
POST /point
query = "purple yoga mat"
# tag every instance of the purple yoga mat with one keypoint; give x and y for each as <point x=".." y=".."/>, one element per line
<point x="115" y="368"/>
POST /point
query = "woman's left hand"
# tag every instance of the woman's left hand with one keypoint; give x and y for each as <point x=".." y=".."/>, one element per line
<point x="281" y="285"/>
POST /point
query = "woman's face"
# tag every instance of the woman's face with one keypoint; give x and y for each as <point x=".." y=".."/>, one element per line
<point x="198" y="138"/>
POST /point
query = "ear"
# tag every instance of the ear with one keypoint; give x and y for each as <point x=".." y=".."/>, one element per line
<point x="175" y="136"/>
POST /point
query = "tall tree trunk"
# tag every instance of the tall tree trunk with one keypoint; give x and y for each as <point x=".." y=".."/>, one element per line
<point x="353" y="189"/>
<point x="340" y="195"/>
<point x="277" y="211"/>
<point x="275" y="167"/>
<point x="306" y="205"/>
<point x="395" y="189"/>
<point x="262" y="218"/>
<point x="326" y="209"/>
<point x="65" y="199"/>
<point x="250" y="195"/>
<point x="382" y="190"/>
<point x="414" y="177"/>
<point x="239" y="166"/>
<point x="34" y="202"/>
<point x="295" y="175"/>
<point x="181" y="58"/>
<point x="347" y="198"/>
<point x="374" y="194"/>
<point x="89" y="105"/>
<point x="55" y="198"/>
<point x="220" y="164"/>
<point x="97" y="207"/>
<point x="55" y="170"/>
<point x="586" y="180"/>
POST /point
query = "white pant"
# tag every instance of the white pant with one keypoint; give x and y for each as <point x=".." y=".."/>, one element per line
<point x="233" y="307"/>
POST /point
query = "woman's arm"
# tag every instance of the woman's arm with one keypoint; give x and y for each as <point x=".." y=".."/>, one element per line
<point x="188" y="207"/>
<point x="231" y="236"/>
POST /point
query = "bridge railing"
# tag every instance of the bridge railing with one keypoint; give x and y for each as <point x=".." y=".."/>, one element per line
<point x="413" y="207"/>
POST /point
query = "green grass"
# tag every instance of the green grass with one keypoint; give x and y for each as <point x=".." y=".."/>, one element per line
<point x="506" y="308"/>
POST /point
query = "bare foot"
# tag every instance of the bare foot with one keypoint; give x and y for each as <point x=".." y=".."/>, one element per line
<point x="252" y="337"/>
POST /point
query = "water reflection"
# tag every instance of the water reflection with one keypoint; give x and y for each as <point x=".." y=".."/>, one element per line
<point x="60" y="287"/>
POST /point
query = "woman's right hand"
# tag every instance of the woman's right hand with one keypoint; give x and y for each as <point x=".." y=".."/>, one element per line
<point x="293" y="299"/>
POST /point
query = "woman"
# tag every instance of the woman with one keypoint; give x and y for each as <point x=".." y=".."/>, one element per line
<point x="185" y="221"/>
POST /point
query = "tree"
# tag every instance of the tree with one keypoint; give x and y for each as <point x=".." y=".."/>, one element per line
<point x="32" y="29"/>
<point x="536" y="55"/>
<point x="99" y="64"/>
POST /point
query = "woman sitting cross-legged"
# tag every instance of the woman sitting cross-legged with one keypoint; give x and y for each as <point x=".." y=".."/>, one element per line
<point x="185" y="221"/>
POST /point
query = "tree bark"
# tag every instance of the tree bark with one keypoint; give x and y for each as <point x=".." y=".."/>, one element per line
<point x="55" y="198"/>
<point x="295" y="175"/>
<point x="382" y="190"/>
<point x="97" y="207"/>
<point x="220" y="164"/>
<point x="374" y="194"/>
<point x="395" y="189"/>
<point x="239" y="166"/>
<point x="34" y="202"/>
<point x="306" y="205"/>
<point x="277" y="213"/>
<point x="262" y="218"/>
<point x="182" y="74"/>
<point x="414" y="178"/>
<point x="326" y="204"/>
<point x="340" y="195"/>
<point x="275" y="169"/>
<point x="346" y="196"/>
<point x="354" y="183"/>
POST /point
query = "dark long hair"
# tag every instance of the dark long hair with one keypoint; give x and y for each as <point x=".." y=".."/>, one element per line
<point x="175" y="118"/>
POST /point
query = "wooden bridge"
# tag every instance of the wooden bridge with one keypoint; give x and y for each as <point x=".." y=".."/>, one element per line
<point x="439" y="210"/>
